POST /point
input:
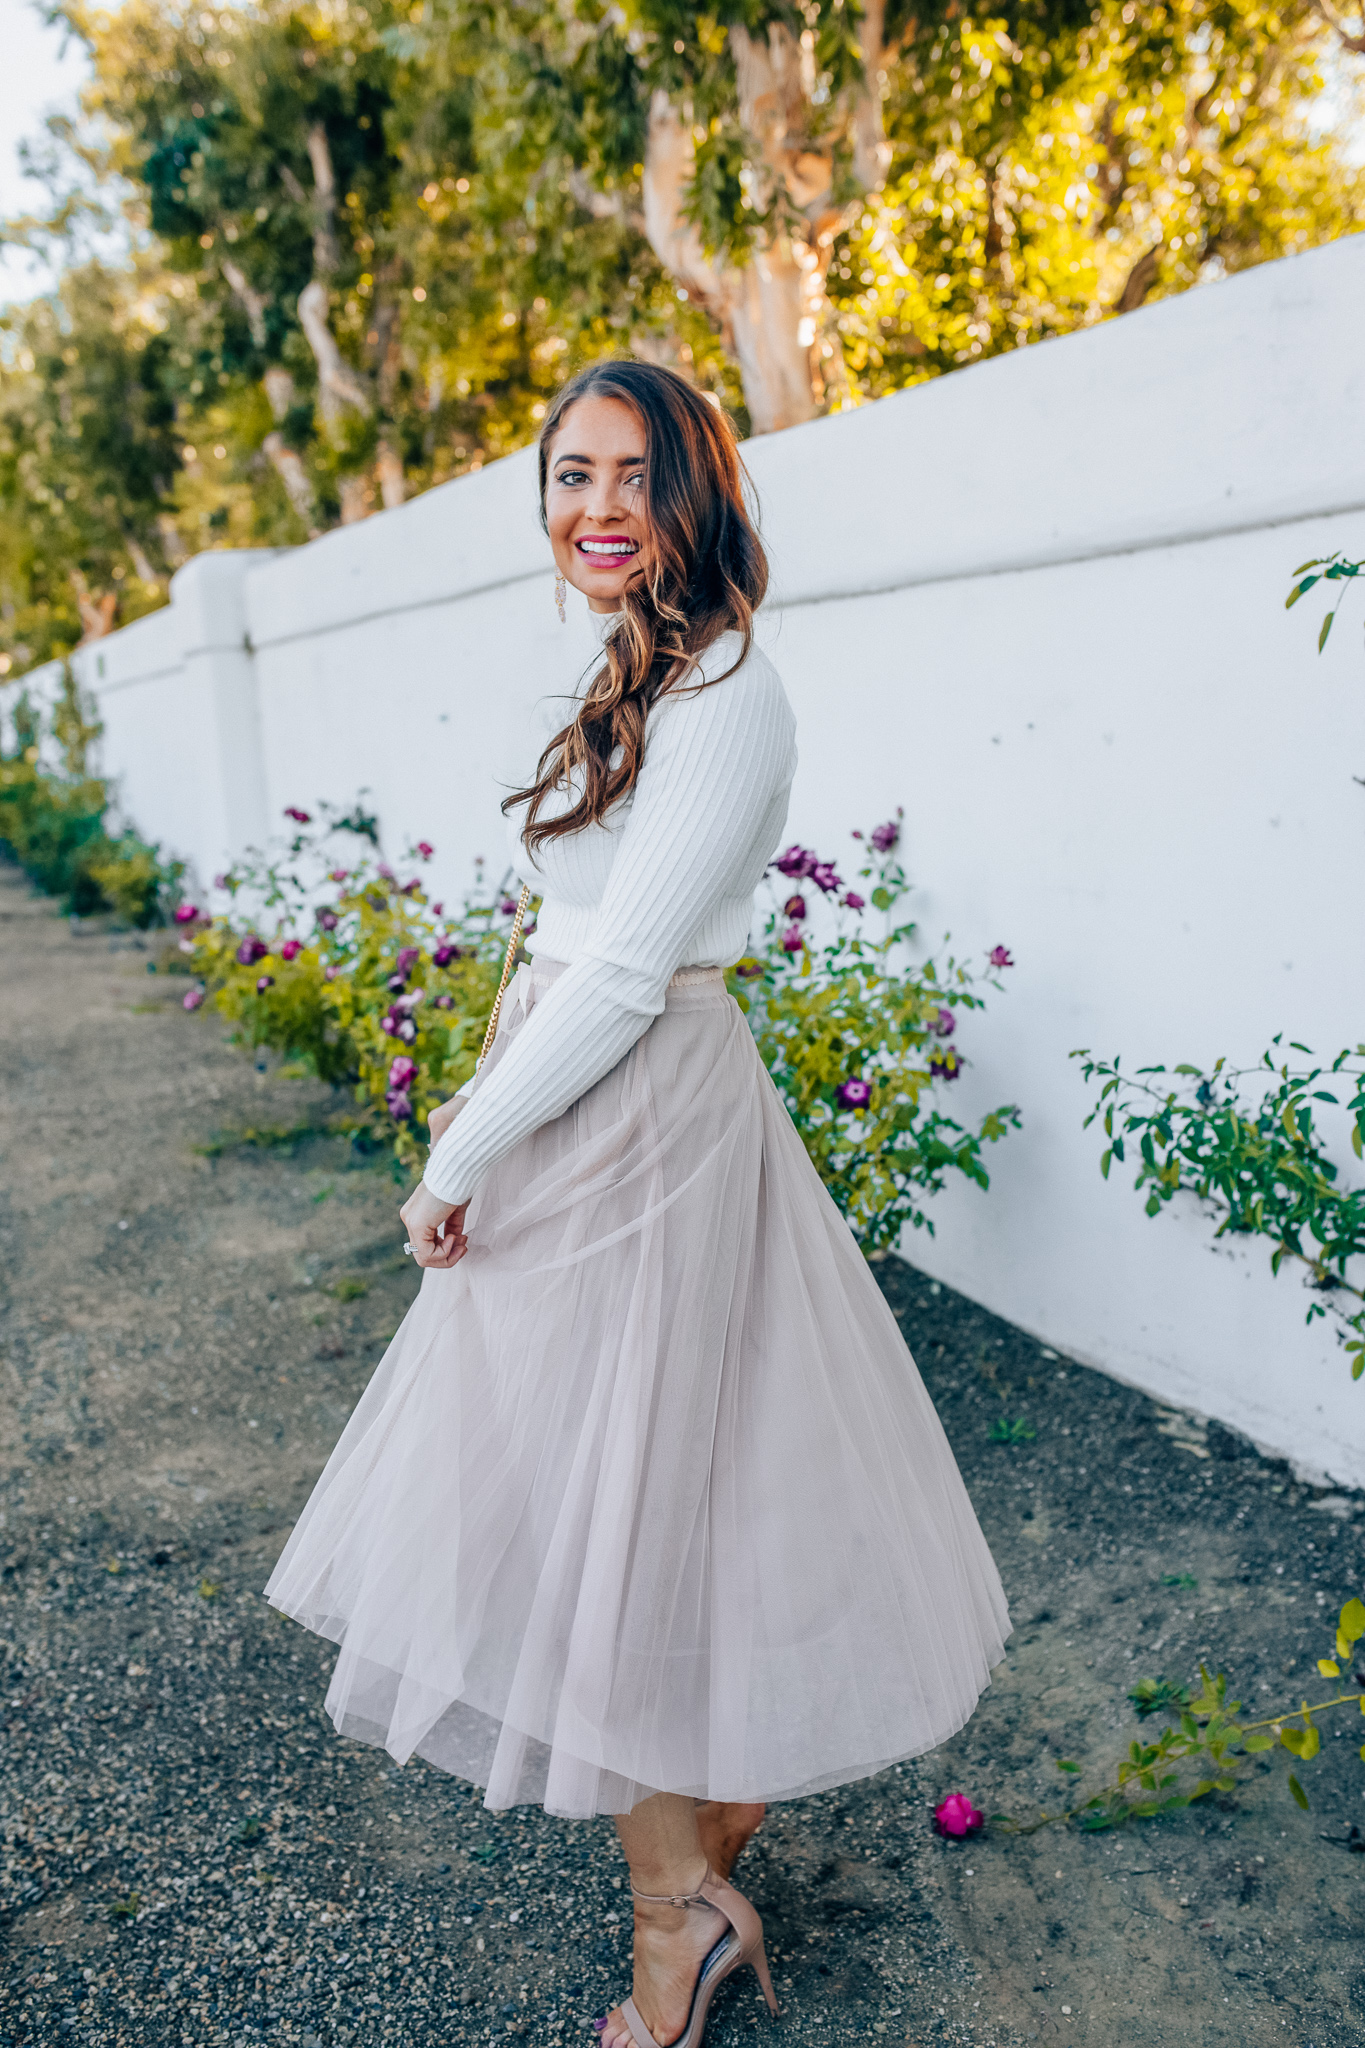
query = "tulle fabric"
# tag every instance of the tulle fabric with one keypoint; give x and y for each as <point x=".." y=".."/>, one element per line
<point x="646" y="1493"/>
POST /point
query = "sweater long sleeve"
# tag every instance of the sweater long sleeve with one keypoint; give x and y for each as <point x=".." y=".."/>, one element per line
<point x="708" y="807"/>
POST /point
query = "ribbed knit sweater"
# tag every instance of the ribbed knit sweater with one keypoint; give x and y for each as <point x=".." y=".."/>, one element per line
<point x="665" y="881"/>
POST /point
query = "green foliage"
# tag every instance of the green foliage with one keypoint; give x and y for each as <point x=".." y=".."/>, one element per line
<point x="1019" y="1431"/>
<point x="54" y="824"/>
<point x="1337" y="568"/>
<point x="1206" y="1747"/>
<point x="1265" y="1170"/>
<point x="327" y="957"/>
<point x="856" y="1038"/>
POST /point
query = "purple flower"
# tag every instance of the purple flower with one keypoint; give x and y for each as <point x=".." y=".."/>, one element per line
<point x="796" y="863"/>
<point x="194" y="999"/>
<point x="222" y="881"/>
<point x="336" y="874"/>
<point x="508" y="906"/>
<point x="424" y="849"/>
<point x="330" y="973"/>
<point x="398" y="1103"/>
<point x="436" y="909"/>
<point x="945" y="1024"/>
<point x="445" y="1002"/>
<point x="250" y="951"/>
<point x="795" y="906"/>
<point x="396" y="984"/>
<point x="884" y="837"/>
<point x="748" y="969"/>
<point x="388" y="1024"/>
<point x="266" y="981"/>
<point x="444" y="954"/>
<point x="407" y="1031"/>
<point x="299" y="817"/>
<point x="824" y="877"/>
<point x="854" y="1094"/>
<point x="186" y="913"/>
<point x="792" y="941"/>
<point x="957" y="1816"/>
<point x="411" y="888"/>
<point x="1000" y="956"/>
<point x="291" y="949"/>
<point x="853" y="901"/>
<point x="403" y="1072"/>
<point x="945" y="1066"/>
<point x="386" y="873"/>
<point x="328" y="919"/>
<point x="408" y="956"/>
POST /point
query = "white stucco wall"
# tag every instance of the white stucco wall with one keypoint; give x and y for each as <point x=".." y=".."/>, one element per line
<point x="1040" y="604"/>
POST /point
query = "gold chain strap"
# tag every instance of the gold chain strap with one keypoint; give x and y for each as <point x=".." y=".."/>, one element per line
<point x="513" y="942"/>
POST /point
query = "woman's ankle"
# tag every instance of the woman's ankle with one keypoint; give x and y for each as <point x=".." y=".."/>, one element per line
<point x="655" y="1884"/>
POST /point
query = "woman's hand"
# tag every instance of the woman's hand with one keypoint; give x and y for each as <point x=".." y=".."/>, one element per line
<point x="440" y="1119"/>
<point x="424" y="1215"/>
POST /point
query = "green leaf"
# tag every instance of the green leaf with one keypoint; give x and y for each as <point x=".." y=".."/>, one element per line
<point x="1256" y="1744"/>
<point x="1352" y="1620"/>
<point x="1106" y="1163"/>
<point x="1326" y="629"/>
<point x="1300" y="1796"/>
<point x="1065" y="1764"/>
<point x="1327" y="1669"/>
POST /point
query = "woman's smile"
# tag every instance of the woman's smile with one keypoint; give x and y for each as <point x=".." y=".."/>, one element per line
<point x="607" y="544"/>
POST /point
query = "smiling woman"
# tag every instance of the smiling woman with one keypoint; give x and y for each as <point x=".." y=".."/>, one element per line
<point x="646" y="1511"/>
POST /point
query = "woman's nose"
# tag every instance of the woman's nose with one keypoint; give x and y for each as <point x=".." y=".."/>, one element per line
<point x="604" y="503"/>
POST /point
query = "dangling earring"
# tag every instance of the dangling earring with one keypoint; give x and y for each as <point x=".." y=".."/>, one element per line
<point x="561" y="592"/>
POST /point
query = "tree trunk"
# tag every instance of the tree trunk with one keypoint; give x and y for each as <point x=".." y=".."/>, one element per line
<point x="773" y="310"/>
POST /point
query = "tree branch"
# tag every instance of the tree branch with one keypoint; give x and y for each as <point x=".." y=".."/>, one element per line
<point x="250" y="301"/>
<point x="1349" y="41"/>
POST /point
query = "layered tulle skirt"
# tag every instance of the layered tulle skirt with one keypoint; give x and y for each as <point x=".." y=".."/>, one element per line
<point x="646" y="1493"/>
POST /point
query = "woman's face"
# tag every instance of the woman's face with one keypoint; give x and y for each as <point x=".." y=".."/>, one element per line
<point x="595" y="499"/>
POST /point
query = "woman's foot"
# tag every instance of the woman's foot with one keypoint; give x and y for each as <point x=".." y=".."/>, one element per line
<point x="671" y="1944"/>
<point x="725" y="1828"/>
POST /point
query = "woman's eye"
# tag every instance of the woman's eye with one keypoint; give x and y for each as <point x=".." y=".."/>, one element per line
<point x="573" y="476"/>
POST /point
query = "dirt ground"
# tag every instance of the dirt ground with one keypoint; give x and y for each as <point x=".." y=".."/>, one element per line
<point x="191" y="1855"/>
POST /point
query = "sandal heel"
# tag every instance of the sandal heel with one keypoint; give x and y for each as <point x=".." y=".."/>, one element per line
<point x="760" y="1962"/>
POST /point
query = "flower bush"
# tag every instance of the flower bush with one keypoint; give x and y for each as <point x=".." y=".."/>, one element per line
<point x="1263" y="1169"/>
<point x="347" y="968"/>
<point x="56" y="826"/>
<point x="860" y="1040"/>
<point x="342" y="964"/>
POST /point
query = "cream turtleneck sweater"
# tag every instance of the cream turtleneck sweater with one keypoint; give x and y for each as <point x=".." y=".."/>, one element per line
<point x="665" y="881"/>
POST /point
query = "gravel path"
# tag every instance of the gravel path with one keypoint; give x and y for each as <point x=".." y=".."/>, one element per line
<point x="191" y="1855"/>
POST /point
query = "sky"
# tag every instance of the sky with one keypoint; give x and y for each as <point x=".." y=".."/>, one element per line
<point x="36" y="78"/>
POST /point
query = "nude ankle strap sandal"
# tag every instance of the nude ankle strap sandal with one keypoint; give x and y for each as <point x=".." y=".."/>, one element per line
<point x="743" y="1943"/>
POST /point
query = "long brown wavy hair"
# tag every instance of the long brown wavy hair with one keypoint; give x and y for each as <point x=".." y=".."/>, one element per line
<point x="703" y="573"/>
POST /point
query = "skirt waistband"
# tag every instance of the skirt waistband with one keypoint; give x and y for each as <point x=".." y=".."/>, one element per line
<point x="541" y="969"/>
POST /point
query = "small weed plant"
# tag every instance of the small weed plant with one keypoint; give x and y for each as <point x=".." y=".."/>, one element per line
<point x="1206" y="1746"/>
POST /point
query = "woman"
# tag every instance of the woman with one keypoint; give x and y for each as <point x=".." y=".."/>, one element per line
<point x="646" y="1511"/>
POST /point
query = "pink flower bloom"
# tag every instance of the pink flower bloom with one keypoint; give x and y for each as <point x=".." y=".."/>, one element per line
<point x="854" y="1094"/>
<point x="222" y="881"/>
<point x="1000" y="956"/>
<point x="266" y="981"/>
<point x="792" y="941"/>
<point x="330" y="973"/>
<point x="194" y="999"/>
<point x="407" y="1031"/>
<point x="824" y="877"/>
<point x="445" y="1002"/>
<point x="853" y="901"/>
<point x="945" y="1024"/>
<point x="403" y="1072"/>
<point x="408" y="956"/>
<point x="250" y="951"/>
<point x="291" y="949"/>
<point x="386" y="873"/>
<point x="884" y="837"/>
<point x="508" y="906"/>
<point x="389" y="1025"/>
<point x="957" y="1816"/>
<point x="796" y="863"/>
<point x="299" y="817"/>
<point x="399" y="1104"/>
<point x="185" y="945"/>
<point x="436" y="909"/>
<point x="795" y="906"/>
<point x="424" y="849"/>
<point x="336" y="874"/>
<point x="444" y="954"/>
<point x="328" y="920"/>
<point x="186" y="913"/>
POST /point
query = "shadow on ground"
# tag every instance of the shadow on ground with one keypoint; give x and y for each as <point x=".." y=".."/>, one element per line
<point x="192" y="1856"/>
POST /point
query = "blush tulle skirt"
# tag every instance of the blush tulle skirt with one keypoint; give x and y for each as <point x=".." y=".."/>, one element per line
<point x="646" y="1493"/>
